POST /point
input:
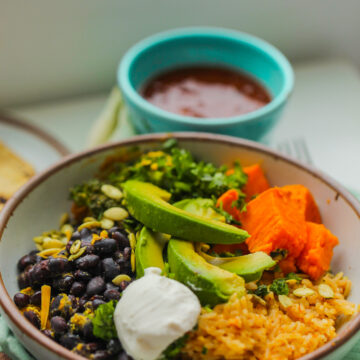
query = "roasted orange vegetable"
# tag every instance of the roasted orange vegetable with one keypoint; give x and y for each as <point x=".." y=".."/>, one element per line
<point x="226" y="202"/>
<point x="274" y="222"/>
<point x="304" y="201"/>
<point x="316" y="256"/>
<point x="256" y="183"/>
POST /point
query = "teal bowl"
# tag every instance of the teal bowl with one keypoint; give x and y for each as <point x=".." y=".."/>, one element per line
<point x="205" y="46"/>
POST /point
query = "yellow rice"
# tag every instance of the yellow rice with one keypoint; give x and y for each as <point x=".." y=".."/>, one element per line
<point x="246" y="329"/>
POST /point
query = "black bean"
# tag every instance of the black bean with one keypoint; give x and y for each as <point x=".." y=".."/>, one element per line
<point x="97" y="302"/>
<point x="113" y="346"/>
<point x="124" y="285"/>
<point x="61" y="305"/>
<point x="89" y="248"/>
<point x="122" y="239"/>
<point x="77" y="288"/>
<point x="59" y="325"/>
<point x="88" y="331"/>
<point x="92" y="347"/>
<point x="59" y="265"/>
<point x="97" y="270"/>
<point x="75" y="236"/>
<point x="101" y="355"/>
<point x="112" y="295"/>
<point x="64" y="283"/>
<point x="105" y="246"/>
<point x="124" y="356"/>
<point x="69" y="341"/>
<point x="111" y="286"/>
<point x="83" y="276"/>
<point x="113" y="229"/>
<point x="86" y="235"/>
<point x="87" y="262"/>
<point x="33" y="318"/>
<point x="25" y="261"/>
<point x="110" y="268"/>
<point x="127" y="253"/>
<point x="39" y="273"/>
<point x="125" y="266"/>
<point x="95" y="286"/>
<point x="47" y="333"/>
<point x="35" y="299"/>
<point x="21" y="300"/>
<point x="24" y="280"/>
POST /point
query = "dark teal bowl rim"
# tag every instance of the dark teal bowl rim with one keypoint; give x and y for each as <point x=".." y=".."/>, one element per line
<point x="263" y="47"/>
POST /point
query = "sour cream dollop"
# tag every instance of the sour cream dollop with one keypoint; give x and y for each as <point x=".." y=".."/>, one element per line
<point x="153" y="312"/>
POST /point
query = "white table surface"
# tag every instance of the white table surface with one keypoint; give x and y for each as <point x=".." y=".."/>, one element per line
<point x="324" y="111"/>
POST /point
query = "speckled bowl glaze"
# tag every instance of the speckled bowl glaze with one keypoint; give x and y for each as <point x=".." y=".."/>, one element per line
<point x="38" y="205"/>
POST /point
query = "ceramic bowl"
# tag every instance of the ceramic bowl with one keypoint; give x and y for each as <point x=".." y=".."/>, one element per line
<point x="205" y="46"/>
<point x="38" y="205"/>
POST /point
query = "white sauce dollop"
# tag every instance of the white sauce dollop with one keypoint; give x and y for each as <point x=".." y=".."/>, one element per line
<point x="153" y="312"/>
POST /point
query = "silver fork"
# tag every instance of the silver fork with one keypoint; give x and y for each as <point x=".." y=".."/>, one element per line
<point x="297" y="149"/>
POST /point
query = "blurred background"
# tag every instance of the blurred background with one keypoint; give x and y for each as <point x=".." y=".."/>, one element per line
<point x="60" y="49"/>
<point x="58" y="62"/>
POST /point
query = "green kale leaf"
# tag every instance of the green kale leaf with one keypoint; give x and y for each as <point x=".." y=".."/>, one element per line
<point x="103" y="321"/>
<point x="279" y="287"/>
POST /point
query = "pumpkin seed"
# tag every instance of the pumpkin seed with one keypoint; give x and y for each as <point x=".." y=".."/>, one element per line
<point x="88" y="219"/>
<point x="303" y="292"/>
<point x="78" y="254"/>
<point x="120" y="278"/>
<point x="258" y="299"/>
<point x="64" y="218"/>
<point x="132" y="241"/>
<point x="48" y="252"/>
<point x="116" y="214"/>
<point x="75" y="247"/>
<point x="38" y="239"/>
<point x="67" y="227"/>
<point x="112" y="192"/>
<point x="49" y="243"/>
<point x="132" y="260"/>
<point x="89" y="225"/>
<point x="326" y="291"/>
<point x="285" y="301"/>
<point x="106" y="223"/>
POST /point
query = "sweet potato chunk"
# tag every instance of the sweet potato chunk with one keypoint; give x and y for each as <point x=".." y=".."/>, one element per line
<point x="226" y="202"/>
<point x="304" y="201"/>
<point x="316" y="256"/>
<point x="274" y="222"/>
<point x="256" y="183"/>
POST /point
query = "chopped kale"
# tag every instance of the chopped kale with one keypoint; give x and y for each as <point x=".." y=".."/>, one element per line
<point x="204" y="350"/>
<point x="293" y="276"/>
<point x="103" y="321"/>
<point x="89" y="195"/>
<point x="178" y="172"/>
<point x="261" y="291"/>
<point x="174" y="349"/>
<point x="279" y="287"/>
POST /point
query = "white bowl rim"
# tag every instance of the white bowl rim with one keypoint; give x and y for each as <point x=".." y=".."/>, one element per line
<point x="9" y="307"/>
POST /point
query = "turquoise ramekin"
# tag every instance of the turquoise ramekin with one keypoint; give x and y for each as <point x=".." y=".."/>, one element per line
<point x="205" y="46"/>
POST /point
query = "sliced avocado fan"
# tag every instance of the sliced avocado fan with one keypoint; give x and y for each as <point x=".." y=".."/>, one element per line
<point x="149" y="251"/>
<point x="148" y="204"/>
<point x="211" y="284"/>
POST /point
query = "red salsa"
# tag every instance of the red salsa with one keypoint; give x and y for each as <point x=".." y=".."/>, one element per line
<point x="205" y="92"/>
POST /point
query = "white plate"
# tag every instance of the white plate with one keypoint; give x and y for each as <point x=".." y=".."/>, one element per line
<point x="31" y="143"/>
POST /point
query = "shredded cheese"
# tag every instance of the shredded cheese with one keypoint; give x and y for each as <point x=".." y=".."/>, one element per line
<point x="45" y="305"/>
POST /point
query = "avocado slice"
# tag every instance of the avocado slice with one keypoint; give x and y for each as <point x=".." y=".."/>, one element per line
<point x="149" y="251"/>
<point x="148" y="204"/>
<point x="200" y="207"/>
<point x="250" y="267"/>
<point x="210" y="283"/>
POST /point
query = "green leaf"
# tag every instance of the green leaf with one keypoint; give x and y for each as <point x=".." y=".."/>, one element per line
<point x="103" y="321"/>
<point x="279" y="287"/>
